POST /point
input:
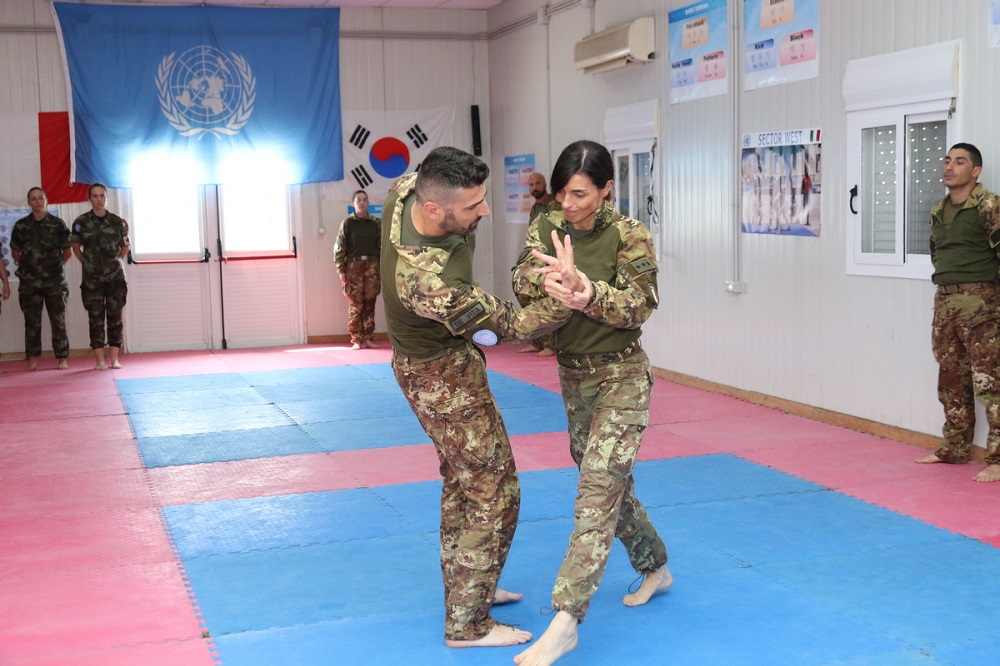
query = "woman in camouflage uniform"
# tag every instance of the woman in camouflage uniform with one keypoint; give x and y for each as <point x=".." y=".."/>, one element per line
<point x="609" y="282"/>
<point x="100" y="242"/>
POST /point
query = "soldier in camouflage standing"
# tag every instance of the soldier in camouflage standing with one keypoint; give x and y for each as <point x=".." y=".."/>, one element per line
<point x="40" y="245"/>
<point x="434" y="313"/>
<point x="100" y="242"/>
<point x="606" y="383"/>
<point x="965" y="243"/>
<point x="5" y="290"/>
<point x="356" y="254"/>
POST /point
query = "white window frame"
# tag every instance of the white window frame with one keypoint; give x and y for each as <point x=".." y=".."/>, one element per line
<point x="898" y="89"/>
<point x="630" y="131"/>
<point x="901" y="263"/>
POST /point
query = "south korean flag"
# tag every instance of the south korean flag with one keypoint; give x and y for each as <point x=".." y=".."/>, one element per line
<point x="380" y="146"/>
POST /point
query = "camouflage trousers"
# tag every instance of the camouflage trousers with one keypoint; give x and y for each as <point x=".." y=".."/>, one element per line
<point x="966" y="342"/>
<point x="105" y="304"/>
<point x="608" y="409"/>
<point x="53" y="298"/>
<point x="480" y="494"/>
<point x="362" y="287"/>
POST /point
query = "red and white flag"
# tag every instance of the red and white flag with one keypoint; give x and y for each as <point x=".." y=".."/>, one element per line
<point x="35" y="149"/>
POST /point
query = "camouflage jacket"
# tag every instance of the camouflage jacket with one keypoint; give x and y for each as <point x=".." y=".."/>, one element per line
<point x="432" y="303"/>
<point x="617" y="255"/>
<point x="358" y="236"/>
<point x="102" y="240"/>
<point x="41" y="244"/>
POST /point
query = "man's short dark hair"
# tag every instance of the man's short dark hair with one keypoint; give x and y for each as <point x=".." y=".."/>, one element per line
<point x="446" y="170"/>
<point x="90" y="190"/>
<point x="977" y="157"/>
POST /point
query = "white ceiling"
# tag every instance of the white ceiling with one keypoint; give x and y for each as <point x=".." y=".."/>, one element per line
<point x="404" y="4"/>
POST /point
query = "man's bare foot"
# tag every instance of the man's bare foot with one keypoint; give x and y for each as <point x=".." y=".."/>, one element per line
<point x="63" y="364"/>
<point x="560" y="638"/>
<point x="116" y="365"/>
<point x="545" y="352"/>
<point x="991" y="473"/>
<point x="32" y="364"/>
<point x="655" y="582"/>
<point x="500" y="635"/>
<point x="356" y="345"/>
<point x="370" y="345"/>
<point x="527" y="348"/>
<point x="504" y="597"/>
<point x="929" y="458"/>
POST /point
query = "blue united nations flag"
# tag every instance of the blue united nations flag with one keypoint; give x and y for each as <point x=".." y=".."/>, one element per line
<point x="202" y="94"/>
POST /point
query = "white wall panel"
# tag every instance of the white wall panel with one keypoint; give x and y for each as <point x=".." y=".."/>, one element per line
<point x="803" y="330"/>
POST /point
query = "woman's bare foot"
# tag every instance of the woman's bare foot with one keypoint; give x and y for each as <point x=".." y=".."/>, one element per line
<point x="991" y="473"/>
<point x="504" y="597"/>
<point x="501" y="635"/>
<point x="63" y="364"/>
<point x="560" y="638"/>
<point x="32" y="364"/>
<point x="653" y="583"/>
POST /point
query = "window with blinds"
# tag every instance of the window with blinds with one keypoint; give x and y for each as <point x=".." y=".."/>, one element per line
<point x="900" y="123"/>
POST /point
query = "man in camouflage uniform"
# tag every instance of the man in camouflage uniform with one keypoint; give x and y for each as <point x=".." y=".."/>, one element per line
<point x="606" y="383"/>
<point x="965" y="236"/>
<point x="40" y="245"/>
<point x="433" y="309"/>
<point x="356" y="255"/>
<point x="100" y="242"/>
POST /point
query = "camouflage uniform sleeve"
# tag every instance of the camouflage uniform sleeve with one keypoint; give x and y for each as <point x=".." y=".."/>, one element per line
<point x="989" y="213"/>
<point x="340" y="247"/>
<point x="526" y="283"/>
<point x="630" y="301"/>
<point x="65" y="241"/>
<point x="467" y="309"/>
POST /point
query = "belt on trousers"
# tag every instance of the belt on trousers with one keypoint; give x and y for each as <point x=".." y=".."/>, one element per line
<point x="958" y="288"/>
<point x="600" y="359"/>
<point x="364" y="257"/>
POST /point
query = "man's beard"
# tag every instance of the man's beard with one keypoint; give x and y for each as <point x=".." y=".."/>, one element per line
<point x="451" y="226"/>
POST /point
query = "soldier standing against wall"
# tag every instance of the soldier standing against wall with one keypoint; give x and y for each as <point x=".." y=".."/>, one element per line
<point x="434" y="312"/>
<point x="100" y="242"/>
<point x="5" y="292"/>
<point x="606" y="383"/>
<point x="356" y="255"/>
<point x="965" y="237"/>
<point x="40" y="244"/>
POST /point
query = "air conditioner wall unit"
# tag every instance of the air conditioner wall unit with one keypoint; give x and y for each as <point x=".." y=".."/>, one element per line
<point x="610" y="49"/>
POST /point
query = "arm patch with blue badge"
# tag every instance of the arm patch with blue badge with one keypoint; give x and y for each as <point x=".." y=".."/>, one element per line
<point x="472" y="315"/>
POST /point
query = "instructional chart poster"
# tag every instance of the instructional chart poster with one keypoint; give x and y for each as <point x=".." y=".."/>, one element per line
<point x="781" y="38"/>
<point x="782" y="174"/>
<point x="698" y="63"/>
<point x="8" y="216"/>
<point x="518" y="199"/>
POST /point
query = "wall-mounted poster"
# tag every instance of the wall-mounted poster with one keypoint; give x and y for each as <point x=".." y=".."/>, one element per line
<point x="698" y="66"/>
<point x="518" y="199"/>
<point x="781" y="42"/>
<point x="782" y="181"/>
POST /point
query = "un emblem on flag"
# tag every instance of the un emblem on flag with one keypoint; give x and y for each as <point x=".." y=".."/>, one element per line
<point x="205" y="91"/>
